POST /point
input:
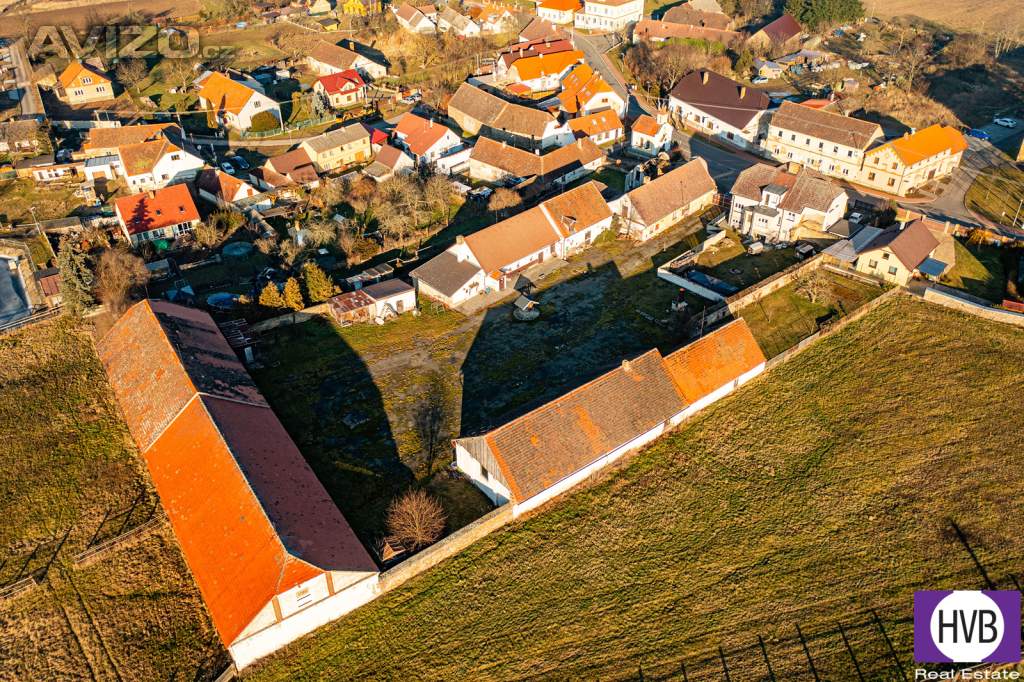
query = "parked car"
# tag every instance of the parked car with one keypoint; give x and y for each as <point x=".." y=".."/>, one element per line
<point x="760" y="80"/>
<point x="804" y="250"/>
<point x="1006" y="122"/>
<point x="226" y="166"/>
<point x="481" y="193"/>
<point x="240" y="162"/>
<point x="978" y="133"/>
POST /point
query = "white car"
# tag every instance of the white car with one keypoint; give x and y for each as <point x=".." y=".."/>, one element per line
<point x="1006" y="122"/>
<point x="760" y="80"/>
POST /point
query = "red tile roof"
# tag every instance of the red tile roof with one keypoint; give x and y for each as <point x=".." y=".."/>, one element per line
<point x="711" y="362"/>
<point x="251" y="517"/>
<point x="159" y="208"/>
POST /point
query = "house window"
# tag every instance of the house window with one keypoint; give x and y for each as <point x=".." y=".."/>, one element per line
<point x="256" y="104"/>
<point x="303" y="598"/>
<point x="175" y="157"/>
<point x="849" y="154"/>
<point x="872" y="264"/>
<point x="483" y="472"/>
<point x="885" y="256"/>
<point x="892" y="182"/>
<point x="87" y="80"/>
<point x="871" y="176"/>
<point x="892" y="270"/>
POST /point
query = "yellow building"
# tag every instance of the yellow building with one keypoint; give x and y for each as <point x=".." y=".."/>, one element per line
<point x="906" y="163"/>
<point x="81" y="84"/>
<point x="339" y="148"/>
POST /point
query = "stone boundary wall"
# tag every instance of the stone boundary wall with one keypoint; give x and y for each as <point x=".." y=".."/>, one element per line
<point x="304" y="315"/>
<point x="946" y="297"/>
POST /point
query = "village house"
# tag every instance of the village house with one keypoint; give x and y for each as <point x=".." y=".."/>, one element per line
<point x="339" y="148"/>
<point x="272" y="556"/>
<point x="450" y="21"/>
<point x="662" y="202"/>
<point x="491" y="259"/>
<point x="689" y="15"/>
<point x="659" y="31"/>
<point x="647" y="137"/>
<point x="390" y="161"/>
<point x="542" y="29"/>
<point x="492" y="18"/>
<point x="546" y="452"/>
<point x="44" y="169"/>
<point x="477" y="111"/>
<point x="778" y="37"/>
<point x="327" y="58"/>
<point x="602" y="128"/>
<point x="413" y="20"/>
<point x="769" y="69"/>
<point x="721" y="107"/>
<point x="543" y="71"/>
<point x="608" y="15"/>
<point x="771" y="203"/>
<point x="223" y="190"/>
<point x="380" y="301"/>
<point x="907" y="163"/>
<point x="829" y="143"/>
<point x="106" y="141"/>
<point x="508" y="56"/>
<point x="426" y="140"/>
<point x="584" y="92"/>
<point x="165" y="213"/>
<point x="81" y="83"/>
<point x="898" y="255"/>
<point x="559" y="11"/>
<point x="341" y="90"/>
<point x="237" y="105"/>
<point x="294" y="167"/>
<point x="353" y="8"/>
<point x="494" y="161"/>
<point x="318" y="7"/>
<point x="157" y="163"/>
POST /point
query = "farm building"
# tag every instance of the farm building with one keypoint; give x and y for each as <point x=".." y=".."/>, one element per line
<point x="546" y="452"/>
<point x="270" y="552"/>
<point x="380" y="301"/>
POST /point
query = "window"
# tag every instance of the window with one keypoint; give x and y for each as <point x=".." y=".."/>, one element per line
<point x="87" y="80"/>
<point x="793" y="137"/>
<point x="892" y="182"/>
<point x="175" y="157"/>
<point x="821" y="145"/>
<point x="892" y="270"/>
<point x="303" y="598"/>
<point x="808" y="141"/>
<point x="872" y="264"/>
<point x="483" y="472"/>
<point x="835" y="149"/>
<point x="850" y="154"/>
<point x="885" y="256"/>
<point x="871" y="176"/>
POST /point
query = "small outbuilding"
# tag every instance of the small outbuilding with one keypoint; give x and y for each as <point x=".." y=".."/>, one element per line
<point x="377" y="302"/>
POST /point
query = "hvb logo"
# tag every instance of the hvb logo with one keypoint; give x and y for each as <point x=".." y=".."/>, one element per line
<point x="967" y="627"/>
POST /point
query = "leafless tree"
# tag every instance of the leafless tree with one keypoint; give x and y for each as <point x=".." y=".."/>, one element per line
<point x="117" y="274"/>
<point x="504" y="200"/>
<point x="429" y="419"/>
<point x="321" y="232"/>
<point x="416" y="519"/>
<point x="816" y="287"/>
<point x="131" y="72"/>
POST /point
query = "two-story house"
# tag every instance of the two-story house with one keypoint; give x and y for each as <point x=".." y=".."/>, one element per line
<point x="585" y="92"/>
<point x="84" y="84"/>
<point x="608" y="15"/>
<point x="770" y="203"/>
<point x="721" y="107"/>
<point x="476" y="110"/>
<point x="165" y="213"/>
<point x="829" y="143"/>
<point x="341" y="90"/>
<point x="903" y="165"/>
<point x="662" y="202"/>
<point x="339" y="148"/>
<point x="237" y="105"/>
<point x="425" y="139"/>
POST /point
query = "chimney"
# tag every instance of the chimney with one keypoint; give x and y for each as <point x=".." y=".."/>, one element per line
<point x="536" y="152"/>
<point x="351" y="46"/>
<point x="459" y="239"/>
<point x="627" y="366"/>
<point x="743" y="91"/>
<point x="504" y="144"/>
<point x="704" y="78"/>
<point x="152" y="194"/>
<point x="794" y="167"/>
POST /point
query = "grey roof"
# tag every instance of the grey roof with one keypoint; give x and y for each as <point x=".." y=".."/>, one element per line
<point x="337" y="138"/>
<point x="445" y="273"/>
<point x="387" y="288"/>
<point x="847" y="250"/>
<point x="844" y="228"/>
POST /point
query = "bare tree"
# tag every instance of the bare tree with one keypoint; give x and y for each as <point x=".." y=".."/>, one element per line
<point x="816" y="287"/>
<point x="415" y="519"/>
<point x="503" y="200"/>
<point x="321" y="232"/>
<point x="131" y="72"/>
<point x="429" y="419"/>
<point x="117" y="274"/>
<point x="915" y="55"/>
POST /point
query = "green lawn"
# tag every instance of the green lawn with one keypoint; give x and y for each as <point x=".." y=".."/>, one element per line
<point x="816" y="494"/>
<point x="67" y="460"/>
<point x="615" y="179"/>
<point x="997" y="193"/>
<point x="979" y="271"/>
<point x="783" y="318"/>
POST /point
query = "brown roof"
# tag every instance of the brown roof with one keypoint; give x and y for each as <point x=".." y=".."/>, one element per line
<point x="709" y="363"/>
<point x="661" y="196"/>
<point x="911" y="245"/>
<point x="110" y="138"/>
<point x="805" y="189"/>
<point x="540" y="28"/>
<point x="558" y="439"/>
<point x="685" y="14"/>
<point x="141" y="157"/>
<point x="721" y="97"/>
<point x="334" y="55"/>
<point x="548" y="167"/>
<point x="577" y="209"/>
<point x="825" y="125"/>
<point x="219" y="183"/>
<point x="494" y="112"/>
<point x="250" y="516"/>
<point x="783" y="29"/>
<point x="295" y="165"/>
<point x="407" y="12"/>
<point x="651" y="29"/>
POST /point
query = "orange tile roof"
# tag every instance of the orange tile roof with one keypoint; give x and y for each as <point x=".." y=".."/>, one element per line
<point x="225" y="94"/>
<point x="71" y="76"/>
<point x="220" y="184"/>
<point x="160" y="208"/>
<point x="646" y="125"/>
<point x="709" y="363"/>
<point x="420" y="134"/>
<point x="141" y="157"/>
<point x="562" y="5"/>
<point x="579" y="87"/>
<point x="109" y="138"/>
<point x="550" y="64"/>
<point x="595" y="124"/>
<point x="251" y="517"/>
<point x="925" y="143"/>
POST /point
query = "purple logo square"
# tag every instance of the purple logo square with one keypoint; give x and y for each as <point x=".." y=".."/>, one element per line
<point x="965" y="626"/>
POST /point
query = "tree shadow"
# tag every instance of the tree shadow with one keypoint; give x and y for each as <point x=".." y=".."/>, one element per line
<point x="325" y="396"/>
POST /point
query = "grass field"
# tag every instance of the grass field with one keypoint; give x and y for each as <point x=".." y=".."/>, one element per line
<point x="997" y="194"/>
<point x="820" y="492"/>
<point x="67" y="459"/>
<point x="987" y="17"/>
<point x="18" y="197"/>
<point x="979" y="270"/>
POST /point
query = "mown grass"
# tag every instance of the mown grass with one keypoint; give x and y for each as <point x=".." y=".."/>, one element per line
<point x="979" y="271"/>
<point x="996" y="193"/>
<point x="66" y="460"/>
<point x="819" y="492"/>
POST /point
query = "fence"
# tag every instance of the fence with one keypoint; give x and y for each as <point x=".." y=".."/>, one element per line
<point x="297" y="317"/>
<point x="97" y="551"/>
<point x="308" y="123"/>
